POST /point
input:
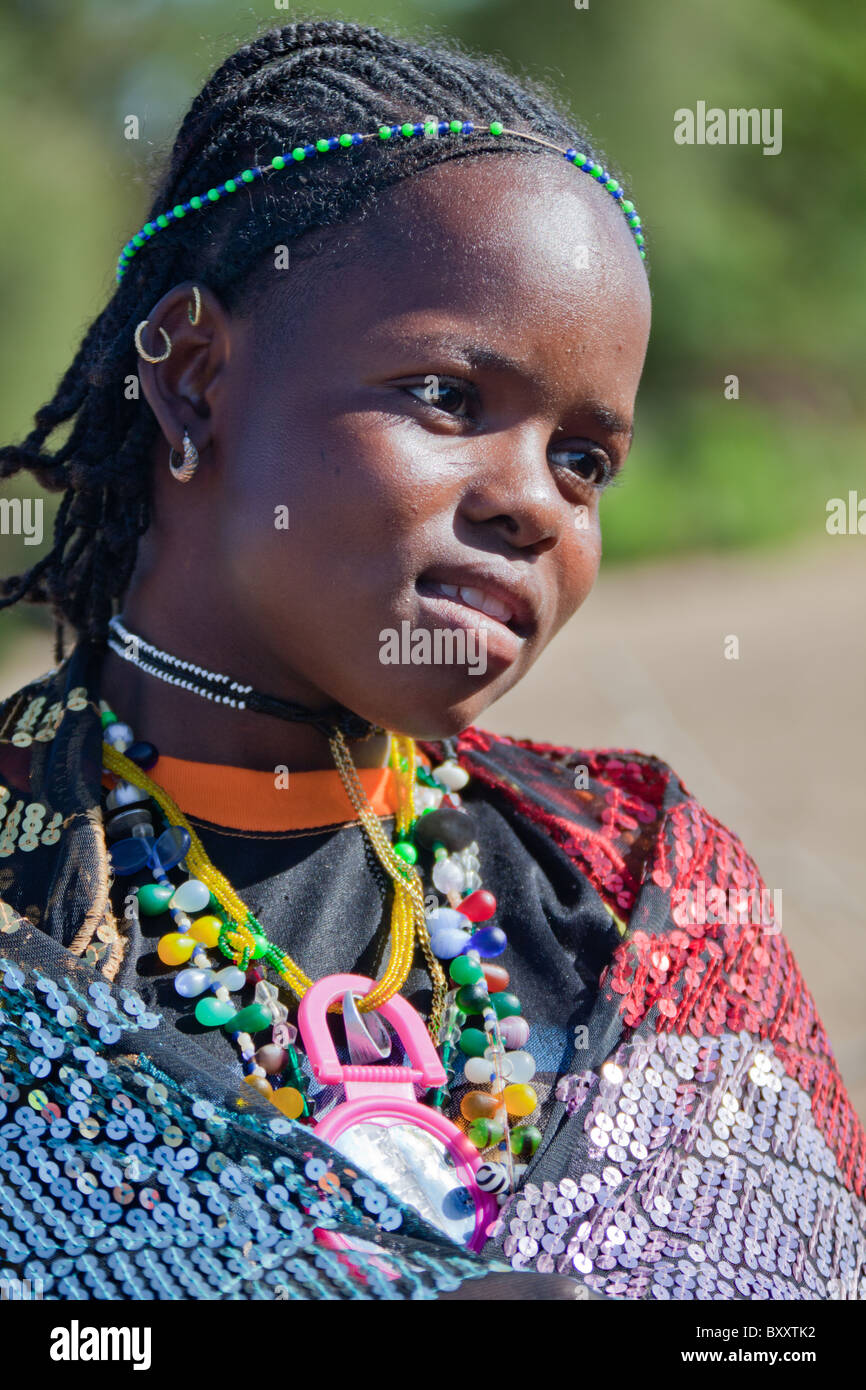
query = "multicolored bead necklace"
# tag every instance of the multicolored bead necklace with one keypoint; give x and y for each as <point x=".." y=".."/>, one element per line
<point x="409" y="129"/>
<point x="430" y="816"/>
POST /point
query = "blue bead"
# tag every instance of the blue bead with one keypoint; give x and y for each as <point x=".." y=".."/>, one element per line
<point x="169" y="216"/>
<point x="616" y="193"/>
<point x="357" y="138"/>
<point x="310" y="149"/>
<point x="443" y="126"/>
<point x="569" y="153"/>
<point x="587" y="164"/>
<point x="447" y="942"/>
<point x="334" y="142"/>
<point x="395" y="130"/>
<point x="467" y="128"/>
<point x="418" y="128"/>
<point x="488" y="942"/>
<point x="187" y="207"/>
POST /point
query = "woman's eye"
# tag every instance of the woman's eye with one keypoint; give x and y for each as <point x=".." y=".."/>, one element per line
<point x="591" y="465"/>
<point x="442" y="394"/>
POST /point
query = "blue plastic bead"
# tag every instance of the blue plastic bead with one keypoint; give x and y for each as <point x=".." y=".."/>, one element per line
<point x="309" y="149"/>
<point x="334" y="142"/>
<point x="467" y="127"/>
<point x="418" y="128"/>
<point x="488" y="942"/>
<point x="447" y="942"/>
<point x="357" y="138"/>
<point x="143" y="753"/>
<point x="443" y="126"/>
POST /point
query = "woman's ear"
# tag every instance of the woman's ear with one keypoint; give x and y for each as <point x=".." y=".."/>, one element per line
<point x="180" y="390"/>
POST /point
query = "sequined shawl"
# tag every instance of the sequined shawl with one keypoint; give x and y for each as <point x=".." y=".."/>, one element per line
<point x="702" y="1144"/>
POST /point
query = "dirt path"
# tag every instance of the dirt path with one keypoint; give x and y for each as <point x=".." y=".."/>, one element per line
<point x="773" y="743"/>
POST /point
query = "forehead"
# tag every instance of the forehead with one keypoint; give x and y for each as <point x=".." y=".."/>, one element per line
<point x="527" y="249"/>
<point x="524" y="252"/>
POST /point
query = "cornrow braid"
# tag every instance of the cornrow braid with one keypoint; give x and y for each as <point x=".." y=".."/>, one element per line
<point x="289" y="85"/>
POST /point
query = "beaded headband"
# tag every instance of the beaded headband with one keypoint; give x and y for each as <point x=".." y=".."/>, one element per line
<point x="384" y="132"/>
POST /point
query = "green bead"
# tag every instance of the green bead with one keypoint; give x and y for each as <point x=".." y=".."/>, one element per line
<point x="260" y="946"/>
<point x="472" y="998"/>
<point x="252" y="1019"/>
<point x="179" y="210"/>
<point x="473" y="1042"/>
<point x="430" y="128"/>
<point x="154" y="898"/>
<point x="248" y="176"/>
<point x="465" y="971"/>
<point x="525" y="1140"/>
<point x="634" y="220"/>
<point x="195" y="202"/>
<point x="278" y="162"/>
<point x="483" y="1133"/>
<point x="640" y="238"/>
<point x="231" y="186"/>
<point x="138" y="239"/>
<point x="323" y="146"/>
<point x="456" y="126"/>
<point x="627" y="206"/>
<point x="345" y="139"/>
<point x="162" y="220"/>
<point x="406" y="850"/>
<point x="643" y="255"/>
<point x="299" y="153"/>
<point x="505" y="1004"/>
<point x="212" y="1013"/>
<point x="406" y="129"/>
<point x="384" y="132"/>
<point x="108" y="717"/>
<point x="611" y="185"/>
<point x="496" y="127"/>
<point x="149" y="227"/>
<point x="213" y="195"/>
<point x="596" y="170"/>
<point x="439" y="850"/>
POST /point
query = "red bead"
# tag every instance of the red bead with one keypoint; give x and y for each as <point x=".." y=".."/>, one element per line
<point x="496" y="978"/>
<point x="479" y="906"/>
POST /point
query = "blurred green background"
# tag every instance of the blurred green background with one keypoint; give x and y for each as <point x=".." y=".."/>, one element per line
<point x="757" y="261"/>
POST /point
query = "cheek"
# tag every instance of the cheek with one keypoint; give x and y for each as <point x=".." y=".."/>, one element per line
<point x="580" y="560"/>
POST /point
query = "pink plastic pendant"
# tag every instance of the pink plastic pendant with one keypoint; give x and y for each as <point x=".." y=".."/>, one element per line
<point x="422" y="1157"/>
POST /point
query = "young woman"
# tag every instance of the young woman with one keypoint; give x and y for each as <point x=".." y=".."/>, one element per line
<point x="388" y="317"/>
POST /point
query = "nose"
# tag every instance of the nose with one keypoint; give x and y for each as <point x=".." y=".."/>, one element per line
<point x="512" y="489"/>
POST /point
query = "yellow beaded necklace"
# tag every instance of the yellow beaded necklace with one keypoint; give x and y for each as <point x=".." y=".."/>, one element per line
<point x="408" y="920"/>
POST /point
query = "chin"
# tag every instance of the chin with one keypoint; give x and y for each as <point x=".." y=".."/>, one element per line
<point x="420" y="712"/>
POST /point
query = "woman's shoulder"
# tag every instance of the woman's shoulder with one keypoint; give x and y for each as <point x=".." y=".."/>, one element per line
<point x="623" y="816"/>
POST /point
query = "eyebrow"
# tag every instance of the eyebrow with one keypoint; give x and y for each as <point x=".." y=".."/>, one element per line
<point x="478" y="355"/>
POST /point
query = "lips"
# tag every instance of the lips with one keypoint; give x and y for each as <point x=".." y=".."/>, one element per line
<point x="508" y="601"/>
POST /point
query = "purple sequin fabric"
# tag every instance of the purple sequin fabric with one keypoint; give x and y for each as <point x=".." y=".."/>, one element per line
<point x="700" y="1173"/>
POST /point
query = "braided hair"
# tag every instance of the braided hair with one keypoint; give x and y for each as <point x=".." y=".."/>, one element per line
<point x="290" y="85"/>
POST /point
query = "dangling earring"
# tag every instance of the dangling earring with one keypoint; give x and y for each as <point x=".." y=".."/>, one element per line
<point x="148" y="357"/>
<point x="184" y="471"/>
<point x="194" y="310"/>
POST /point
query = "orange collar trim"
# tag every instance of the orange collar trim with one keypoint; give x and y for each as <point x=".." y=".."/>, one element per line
<point x="249" y="800"/>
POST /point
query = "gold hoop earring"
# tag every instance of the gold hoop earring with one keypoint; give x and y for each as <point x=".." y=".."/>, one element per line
<point x="148" y="357"/>
<point x="182" y="472"/>
<point x="195" y="316"/>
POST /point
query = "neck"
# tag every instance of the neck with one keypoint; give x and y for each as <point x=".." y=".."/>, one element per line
<point x="184" y="725"/>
